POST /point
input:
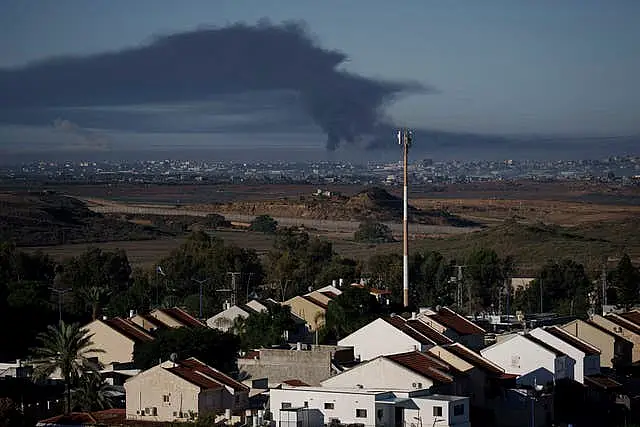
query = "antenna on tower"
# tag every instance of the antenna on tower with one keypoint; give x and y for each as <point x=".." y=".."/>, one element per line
<point x="405" y="138"/>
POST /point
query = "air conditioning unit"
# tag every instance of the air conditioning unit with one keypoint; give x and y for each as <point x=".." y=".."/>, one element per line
<point x="147" y="411"/>
<point x="417" y="385"/>
<point x="154" y="411"/>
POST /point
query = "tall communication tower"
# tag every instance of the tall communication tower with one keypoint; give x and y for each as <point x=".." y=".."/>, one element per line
<point x="405" y="138"/>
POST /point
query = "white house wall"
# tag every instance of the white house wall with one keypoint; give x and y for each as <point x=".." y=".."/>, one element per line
<point x="579" y="369"/>
<point x="521" y="357"/>
<point x="379" y="338"/>
<point x="147" y="389"/>
<point x="379" y="373"/>
<point x="344" y="404"/>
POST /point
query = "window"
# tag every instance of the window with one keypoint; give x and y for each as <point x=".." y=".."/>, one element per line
<point x="329" y="405"/>
<point x="437" y="411"/>
<point x="306" y="404"/>
<point x="286" y="405"/>
<point x="515" y="361"/>
<point x="458" y="410"/>
<point x="361" y="413"/>
<point x="165" y="398"/>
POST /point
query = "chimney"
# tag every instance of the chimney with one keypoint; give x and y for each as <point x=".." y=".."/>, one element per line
<point x="340" y="282"/>
<point x="413" y="316"/>
<point x="298" y="346"/>
<point x="104" y="317"/>
<point x="362" y="281"/>
<point x="132" y="313"/>
<point x="333" y="283"/>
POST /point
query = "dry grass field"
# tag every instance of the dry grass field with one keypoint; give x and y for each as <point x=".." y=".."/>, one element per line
<point x="532" y="222"/>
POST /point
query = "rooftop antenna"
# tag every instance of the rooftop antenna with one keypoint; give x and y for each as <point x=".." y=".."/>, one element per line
<point x="405" y="138"/>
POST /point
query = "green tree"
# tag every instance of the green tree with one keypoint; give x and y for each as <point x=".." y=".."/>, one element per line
<point x="485" y="274"/>
<point x="108" y="271"/>
<point x="264" y="224"/>
<point x="266" y="328"/>
<point x="297" y="259"/>
<point x="626" y="282"/>
<point x="349" y="311"/>
<point x="211" y="346"/>
<point x="431" y="279"/>
<point x="373" y="232"/>
<point x="95" y="297"/>
<point x="386" y="271"/>
<point x="65" y="348"/>
<point x="92" y="393"/>
<point x="562" y="287"/>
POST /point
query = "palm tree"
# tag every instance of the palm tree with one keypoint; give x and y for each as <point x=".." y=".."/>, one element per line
<point x="92" y="393"/>
<point x="66" y="349"/>
<point x="93" y="297"/>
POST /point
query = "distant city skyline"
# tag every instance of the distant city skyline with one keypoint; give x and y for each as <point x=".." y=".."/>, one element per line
<point x="497" y="67"/>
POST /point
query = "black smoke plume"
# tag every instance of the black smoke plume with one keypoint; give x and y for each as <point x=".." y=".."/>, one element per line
<point x="200" y="64"/>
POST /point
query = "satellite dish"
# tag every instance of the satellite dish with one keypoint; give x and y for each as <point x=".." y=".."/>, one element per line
<point x="173" y="357"/>
<point x="438" y="307"/>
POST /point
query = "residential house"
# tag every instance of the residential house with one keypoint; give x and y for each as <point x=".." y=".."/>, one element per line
<point x="454" y="326"/>
<point x="622" y="327"/>
<point x="615" y="351"/>
<point x="318" y="407"/>
<point x="404" y="371"/>
<point x="176" y="317"/>
<point x="308" y="308"/>
<point x="116" y="338"/>
<point x="183" y="391"/>
<point x="586" y="356"/>
<point x="148" y="322"/>
<point x="307" y="363"/>
<point x="225" y="320"/>
<point x="383" y="296"/>
<point x="486" y="378"/>
<point x="533" y="360"/>
<point x="392" y="334"/>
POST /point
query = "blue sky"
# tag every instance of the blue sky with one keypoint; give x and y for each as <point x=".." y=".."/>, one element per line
<point x="565" y="67"/>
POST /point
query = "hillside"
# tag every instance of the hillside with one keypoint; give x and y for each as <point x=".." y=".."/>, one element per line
<point x="534" y="244"/>
<point x="372" y="203"/>
<point x="44" y="218"/>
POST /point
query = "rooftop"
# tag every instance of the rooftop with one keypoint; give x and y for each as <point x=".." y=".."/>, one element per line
<point x="401" y="324"/>
<point x="183" y="317"/>
<point x="129" y="329"/>
<point x="473" y="358"/>
<point x="544" y="345"/>
<point x="451" y="319"/>
<point x="429" y="332"/>
<point x="572" y="340"/>
<point x="427" y="366"/>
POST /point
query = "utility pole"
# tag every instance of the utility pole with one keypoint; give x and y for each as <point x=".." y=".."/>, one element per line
<point x="405" y="138"/>
<point x="200" y="282"/>
<point x="61" y="293"/>
<point x="459" y="287"/>
<point x="234" y="286"/>
<point x="603" y="280"/>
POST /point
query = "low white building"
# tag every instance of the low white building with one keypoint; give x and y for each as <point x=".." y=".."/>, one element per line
<point x="404" y="371"/>
<point x="392" y="335"/>
<point x="586" y="356"/>
<point x="317" y="407"/>
<point x="533" y="360"/>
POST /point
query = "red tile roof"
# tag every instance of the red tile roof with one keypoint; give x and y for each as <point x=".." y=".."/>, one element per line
<point x="631" y="316"/>
<point x="572" y="340"/>
<point x="376" y="291"/>
<point x="429" y="332"/>
<point x="329" y="294"/>
<point x="451" y="319"/>
<point x="128" y="329"/>
<point x="195" y="364"/>
<point x="114" y="416"/>
<point x="606" y="331"/>
<point x="195" y="377"/>
<point x="474" y="359"/>
<point x="601" y="381"/>
<point x="295" y="383"/>
<point x="422" y="364"/>
<point x="183" y="317"/>
<point x="401" y="324"/>
<point x="315" y="301"/>
<point x="621" y="321"/>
